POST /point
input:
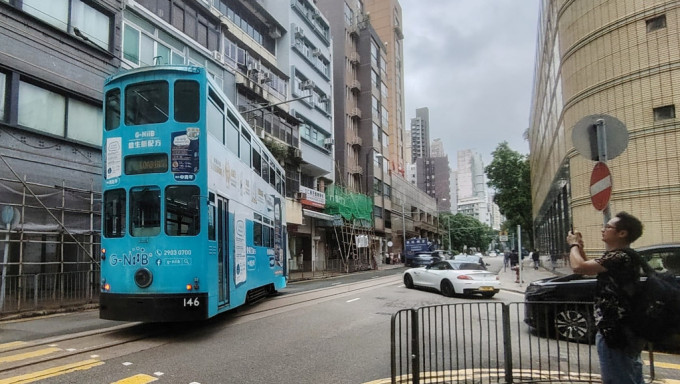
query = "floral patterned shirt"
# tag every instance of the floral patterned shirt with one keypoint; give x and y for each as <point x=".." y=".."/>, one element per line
<point x="613" y="293"/>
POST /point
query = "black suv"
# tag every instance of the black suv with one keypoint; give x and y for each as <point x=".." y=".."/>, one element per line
<point x="563" y="305"/>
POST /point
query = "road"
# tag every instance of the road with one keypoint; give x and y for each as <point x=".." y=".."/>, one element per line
<point x="331" y="331"/>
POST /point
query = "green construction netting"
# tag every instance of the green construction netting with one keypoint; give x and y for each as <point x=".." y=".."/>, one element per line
<point x="351" y="206"/>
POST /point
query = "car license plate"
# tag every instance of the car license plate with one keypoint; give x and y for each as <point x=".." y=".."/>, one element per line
<point x="486" y="288"/>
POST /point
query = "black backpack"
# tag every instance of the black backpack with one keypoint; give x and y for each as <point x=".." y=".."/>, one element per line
<point x="655" y="306"/>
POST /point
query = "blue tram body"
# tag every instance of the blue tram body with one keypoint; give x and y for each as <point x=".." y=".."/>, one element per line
<point x="193" y="220"/>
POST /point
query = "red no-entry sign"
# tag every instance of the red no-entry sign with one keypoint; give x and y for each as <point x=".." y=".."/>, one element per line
<point x="600" y="186"/>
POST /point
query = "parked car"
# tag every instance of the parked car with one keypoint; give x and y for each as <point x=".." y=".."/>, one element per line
<point x="563" y="306"/>
<point x="471" y="259"/>
<point x="451" y="277"/>
<point x="423" y="259"/>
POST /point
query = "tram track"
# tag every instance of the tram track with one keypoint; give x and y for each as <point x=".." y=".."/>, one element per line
<point x="74" y="350"/>
<point x="84" y="350"/>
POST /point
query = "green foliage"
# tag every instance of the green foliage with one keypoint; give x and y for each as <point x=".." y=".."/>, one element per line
<point x="464" y="230"/>
<point x="510" y="175"/>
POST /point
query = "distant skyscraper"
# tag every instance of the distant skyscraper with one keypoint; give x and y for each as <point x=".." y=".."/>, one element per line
<point x="420" y="134"/>
<point x="471" y="193"/>
<point x="437" y="148"/>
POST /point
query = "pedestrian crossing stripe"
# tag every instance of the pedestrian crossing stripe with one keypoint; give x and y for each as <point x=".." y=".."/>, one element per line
<point x="52" y="372"/>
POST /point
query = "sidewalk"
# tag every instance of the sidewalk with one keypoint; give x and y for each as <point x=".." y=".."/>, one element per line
<point x="529" y="274"/>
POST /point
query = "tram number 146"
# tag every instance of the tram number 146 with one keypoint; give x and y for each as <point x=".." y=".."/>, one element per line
<point x="191" y="302"/>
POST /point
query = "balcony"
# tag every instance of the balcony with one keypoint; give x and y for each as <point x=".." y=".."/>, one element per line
<point x="354" y="140"/>
<point x="355" y="113"/>
<point x="354" y="58"/>
<point x="354" y="169"/>
<point x="355" y="86"/>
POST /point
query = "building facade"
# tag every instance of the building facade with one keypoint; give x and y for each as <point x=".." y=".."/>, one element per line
<point x="615" y="58"/>
<point x="53" y="63"/>
<point x="386" y="19"/>
<point x="433" y="178"/>
<point x="51" y="116"/>
<point x="420" y="134"/>
<point x="304" y="53"/>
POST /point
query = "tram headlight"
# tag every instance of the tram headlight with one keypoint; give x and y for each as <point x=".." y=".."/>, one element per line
<point x="105" y="286"/>
<point x="143" y="278"/>
<point x="103" y="255"/>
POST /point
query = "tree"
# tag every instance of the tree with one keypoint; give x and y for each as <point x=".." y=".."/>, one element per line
<point x="465" y="231"/>
<point x="510" y="175"/>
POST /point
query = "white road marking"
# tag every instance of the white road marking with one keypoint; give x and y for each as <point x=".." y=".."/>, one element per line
<point x="349" y="301"/>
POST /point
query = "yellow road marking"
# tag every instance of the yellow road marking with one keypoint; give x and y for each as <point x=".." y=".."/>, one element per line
<point x="660" y="364"/>
<point x="28" y="355"/>
<point x="51" y="372"/>
<point x="13" y="344"/>
<point x="137" y="379"/>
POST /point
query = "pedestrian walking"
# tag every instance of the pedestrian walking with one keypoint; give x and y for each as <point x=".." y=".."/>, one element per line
<point x="617" y="273"/>
<point x="535" y="257"/>
<point x="553" y="259"/>
<point x="514" y="264"/>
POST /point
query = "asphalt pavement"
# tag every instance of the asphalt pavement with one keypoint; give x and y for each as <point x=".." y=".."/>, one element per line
<point x="505" y="274"/>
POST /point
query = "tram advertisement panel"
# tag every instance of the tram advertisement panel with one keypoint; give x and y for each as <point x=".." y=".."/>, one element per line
<point x="240" y="248"/>
<point x="184" y="154"/>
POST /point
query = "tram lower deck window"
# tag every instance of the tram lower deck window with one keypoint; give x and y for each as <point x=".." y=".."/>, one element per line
<point x="182" y="210"/>
<point x="145" y="211"/>
<point x="114" y="213"/>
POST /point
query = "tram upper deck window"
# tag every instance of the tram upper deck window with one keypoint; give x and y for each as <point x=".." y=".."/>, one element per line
<point x="112" y="110"/>
<point x="145" y="211"/>
<point x="187" y="101"/>
<point x="182" y="210"/>
<point x="146" y="103"/>
<point x="114" y="213"/>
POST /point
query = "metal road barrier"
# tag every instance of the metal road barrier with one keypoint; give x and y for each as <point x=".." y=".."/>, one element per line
<point x="490" y="342"/>
<point x="49" y="290"/>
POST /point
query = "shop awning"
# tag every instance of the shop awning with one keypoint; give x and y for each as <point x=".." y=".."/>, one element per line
<point x="317" y="215"/>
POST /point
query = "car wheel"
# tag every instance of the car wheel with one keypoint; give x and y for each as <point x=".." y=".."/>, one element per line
<point x="447" y="288"/>
<point x="574" y="324"/>
<point x="488" y="295"/>
<point x="408" y="281"/>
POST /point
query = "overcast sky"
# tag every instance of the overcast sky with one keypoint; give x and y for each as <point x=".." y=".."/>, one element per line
<point x="471" y="63"/>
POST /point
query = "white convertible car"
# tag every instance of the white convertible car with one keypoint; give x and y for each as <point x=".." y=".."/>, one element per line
<point x="452" y="277"/>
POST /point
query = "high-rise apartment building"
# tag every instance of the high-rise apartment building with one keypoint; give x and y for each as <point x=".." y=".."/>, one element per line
<point x="420" y="134"/>
<point x="304" y="53"/>
<point x="361" y="118"/>
<point x="433" y="178"/>
<point x="616" y="58"/>
<point x="386" y="19"/>
<point x="471" y="193"/>
<point x="437" y="148"/>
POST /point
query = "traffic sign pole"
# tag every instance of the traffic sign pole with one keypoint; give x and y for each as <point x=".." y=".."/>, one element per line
<point x="602" y="156"/>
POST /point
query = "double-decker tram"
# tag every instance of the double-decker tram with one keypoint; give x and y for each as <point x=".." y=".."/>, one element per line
<point x="193" y="219"/>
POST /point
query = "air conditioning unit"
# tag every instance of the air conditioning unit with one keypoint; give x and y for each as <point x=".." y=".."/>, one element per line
<point x="328" y="141"/>
<point x="307" y="84"/>
<point x="316" y="52"/>
<point x="299" y="32"/>
<point x="217" y="55"/>
<point x="300" y="196"/>
<point x="265" y="77"/>
<point x="297" y="153"/>
<point x="253" y="67"/>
